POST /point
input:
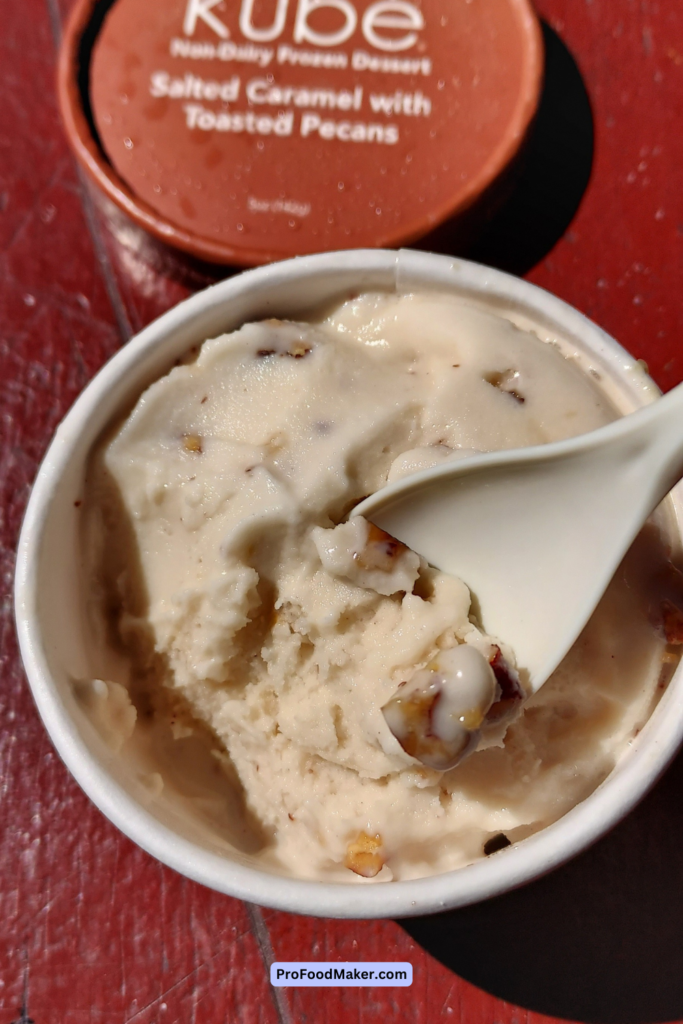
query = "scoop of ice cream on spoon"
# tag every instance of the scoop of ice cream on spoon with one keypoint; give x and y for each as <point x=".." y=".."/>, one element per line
<point x="438" y="714"/>
<point x="537" y="533"/>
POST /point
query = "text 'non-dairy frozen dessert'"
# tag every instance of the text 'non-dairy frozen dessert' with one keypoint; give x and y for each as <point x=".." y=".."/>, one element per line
<point x="338" y="679"/>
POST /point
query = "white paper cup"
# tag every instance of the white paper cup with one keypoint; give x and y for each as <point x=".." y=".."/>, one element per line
<point x="57" y="650"/>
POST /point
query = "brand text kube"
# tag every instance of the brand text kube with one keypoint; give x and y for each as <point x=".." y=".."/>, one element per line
<point x="402" y="19"/>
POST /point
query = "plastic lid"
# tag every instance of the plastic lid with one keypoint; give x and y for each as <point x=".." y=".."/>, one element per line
<point x="257" y="129"/>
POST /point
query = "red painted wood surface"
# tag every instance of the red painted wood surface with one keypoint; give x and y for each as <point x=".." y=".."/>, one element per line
<point x="93" y="930"/>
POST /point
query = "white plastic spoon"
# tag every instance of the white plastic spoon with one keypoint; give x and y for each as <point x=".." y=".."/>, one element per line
<point x="537" y="533"/>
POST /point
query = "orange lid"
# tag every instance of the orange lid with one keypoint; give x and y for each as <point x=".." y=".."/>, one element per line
<point x="248" y="130"/>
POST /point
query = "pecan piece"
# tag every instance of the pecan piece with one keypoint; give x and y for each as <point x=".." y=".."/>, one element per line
<point x="363" y="855"/>
<point x="193" y="443"/>
<point x="672" y="622"/>
<point x="437" y="715"/>
<point x="381" y="550"/>
<point x="511" y="691"/>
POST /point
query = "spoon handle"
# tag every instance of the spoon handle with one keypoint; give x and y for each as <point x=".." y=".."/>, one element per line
<point x="652" y="442"/>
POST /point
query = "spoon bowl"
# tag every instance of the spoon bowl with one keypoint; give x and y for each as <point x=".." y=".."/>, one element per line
<point x="537" y="533"/>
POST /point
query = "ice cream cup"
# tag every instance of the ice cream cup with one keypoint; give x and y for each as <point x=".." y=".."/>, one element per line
<point x="56" y="647"/>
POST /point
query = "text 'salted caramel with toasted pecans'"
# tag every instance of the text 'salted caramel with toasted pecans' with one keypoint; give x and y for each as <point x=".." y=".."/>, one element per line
<point x="275" y="127"/>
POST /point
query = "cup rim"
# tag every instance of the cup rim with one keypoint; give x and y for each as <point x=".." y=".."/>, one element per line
<point x="633" y="775"/>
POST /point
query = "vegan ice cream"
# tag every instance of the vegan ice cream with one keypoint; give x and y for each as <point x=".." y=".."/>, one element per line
<point x="306" y="646"/>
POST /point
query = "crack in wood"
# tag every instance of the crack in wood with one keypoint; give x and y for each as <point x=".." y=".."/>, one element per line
<point x="23" y="1017"/>
<point x="262" y="936"/>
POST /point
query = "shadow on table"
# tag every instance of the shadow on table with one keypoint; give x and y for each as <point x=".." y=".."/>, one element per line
<point x="598" y="940"/>
<point x="537" y="201"/>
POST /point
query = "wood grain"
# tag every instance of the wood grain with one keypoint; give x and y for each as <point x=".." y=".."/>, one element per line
<point x="93" y="930"/>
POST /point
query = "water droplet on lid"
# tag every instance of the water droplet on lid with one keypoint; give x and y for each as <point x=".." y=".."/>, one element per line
<point x="378" y="210"/>
<point x="156" y="188"/>
<point x="340" y="186"/>
<point x="128" y="143"/>
<point x="260" y="144"/>
<point x="440" y="84"/>
<point x="240" y="227"/>
<point x="29" y="299"/>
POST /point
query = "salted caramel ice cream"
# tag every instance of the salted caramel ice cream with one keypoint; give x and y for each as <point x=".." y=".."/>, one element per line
<point x="304" y="646"/>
